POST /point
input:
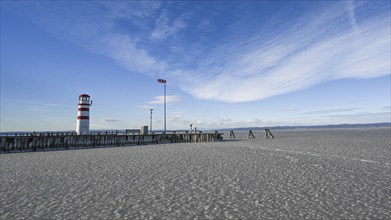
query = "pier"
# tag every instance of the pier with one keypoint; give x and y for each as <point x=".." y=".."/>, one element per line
<point x="61" y="141"/>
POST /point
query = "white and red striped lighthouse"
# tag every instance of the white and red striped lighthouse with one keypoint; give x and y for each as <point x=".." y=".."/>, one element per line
<point x="83" y="115"/>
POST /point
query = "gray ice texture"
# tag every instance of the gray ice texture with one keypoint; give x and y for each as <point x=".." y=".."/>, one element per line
<point x="301" y="174"/>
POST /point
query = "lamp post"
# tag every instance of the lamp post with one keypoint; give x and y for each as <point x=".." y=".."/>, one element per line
<point x="150" y="121"/>
<point x="191" y="128"/>
<point x="163" y="81"/>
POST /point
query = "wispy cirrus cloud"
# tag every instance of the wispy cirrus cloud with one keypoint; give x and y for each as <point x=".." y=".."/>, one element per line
<point x="169" y="99"/>
<point x="124" y="50"/>
<point x="165" y="28"/>
<point x="146" y="106"/>
<point x="176" y="116"/>
<point x="109" y="120"/>
<point x="337" y="40"/>
<point x="328" y="111"/>
<point x="312" y="52"/>
<point x="351" y="13"/>
<point x="41" y="107"/>
<point x="361" y="117"/>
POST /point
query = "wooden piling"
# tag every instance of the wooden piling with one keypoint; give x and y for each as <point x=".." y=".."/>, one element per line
<point x="267" y="133"/>
<point x="250" y="134"/>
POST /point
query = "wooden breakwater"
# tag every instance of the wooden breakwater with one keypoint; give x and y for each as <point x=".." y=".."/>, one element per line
<point x="58" y="141"/>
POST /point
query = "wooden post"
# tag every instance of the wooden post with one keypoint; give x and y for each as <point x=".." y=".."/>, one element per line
<point x="250" y="134"/>
<point x="270" y="133"/>
<point x="267" y="133"/>
<point x="231" y="134"/>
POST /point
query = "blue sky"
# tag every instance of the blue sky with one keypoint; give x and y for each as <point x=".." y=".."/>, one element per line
<point x="227" y="63"/>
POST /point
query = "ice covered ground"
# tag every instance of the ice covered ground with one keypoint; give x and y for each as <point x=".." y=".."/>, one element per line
<point x="313" y="174"/>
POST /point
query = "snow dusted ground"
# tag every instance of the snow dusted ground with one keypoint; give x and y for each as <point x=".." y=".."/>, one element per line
<point x="301" y="174"/>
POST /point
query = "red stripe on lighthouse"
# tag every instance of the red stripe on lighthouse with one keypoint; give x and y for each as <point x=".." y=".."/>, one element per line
<point x="83" y="117"/>
<point x="83" y="109"/>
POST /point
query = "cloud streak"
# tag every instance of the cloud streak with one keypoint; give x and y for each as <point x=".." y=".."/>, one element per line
<point x="296" y="60"/>
<point x="109" y="120"/>
<point x="331" y="111"/>
<point x="164" y="28"/>
<point x="338" y="41"/>
<point x="169" y="99"/>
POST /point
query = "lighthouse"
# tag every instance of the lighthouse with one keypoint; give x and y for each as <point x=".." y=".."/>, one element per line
<point x="83" y="114"/>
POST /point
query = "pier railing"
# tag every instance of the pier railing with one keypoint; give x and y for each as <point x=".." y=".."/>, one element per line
<point x="50" y="141"/>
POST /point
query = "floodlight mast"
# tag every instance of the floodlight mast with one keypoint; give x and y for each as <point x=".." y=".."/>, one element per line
<point x="163" y="81"/>
<point x="150" y="121"/>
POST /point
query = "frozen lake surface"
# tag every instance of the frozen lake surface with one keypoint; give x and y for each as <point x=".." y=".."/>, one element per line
<point x="301" y="174"/>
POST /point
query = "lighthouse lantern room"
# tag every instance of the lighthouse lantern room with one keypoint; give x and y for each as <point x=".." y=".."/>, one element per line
<point x="83" y="115"/>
